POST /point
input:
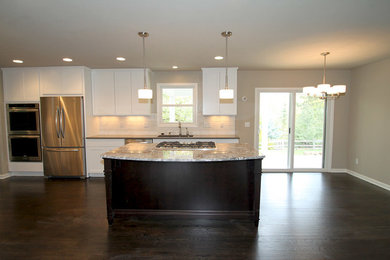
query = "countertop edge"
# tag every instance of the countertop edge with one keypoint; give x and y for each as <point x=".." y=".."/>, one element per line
<point x="161" y="137"/>
<point x="184" y="160"/>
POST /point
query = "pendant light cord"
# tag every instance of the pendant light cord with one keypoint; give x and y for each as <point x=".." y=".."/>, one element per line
<point x="227" y="63"/>
<point x="324" y="76"/>
<point x="143" y="54"/>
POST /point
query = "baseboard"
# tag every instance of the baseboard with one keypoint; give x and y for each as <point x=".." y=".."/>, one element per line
<point x="4" y="176"/>
<point x="305" y="170"/>
<point x="335" y="170"/>
<point x="29" y="174"/>
<point x="370" y="180"/>
<point x="96" y="175"/>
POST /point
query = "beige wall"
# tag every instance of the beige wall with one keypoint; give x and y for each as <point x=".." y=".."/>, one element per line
<point x="3" y="143"/>
<point x="369" y="122"/>
<point x="249" y="80"/>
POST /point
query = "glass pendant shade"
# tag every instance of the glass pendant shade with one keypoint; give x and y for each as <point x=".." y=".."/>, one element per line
<point x="226" y="94"/>
<point x="145" y="93"/>
<point x="340" y="88"/>
<point x="323" y="87"/>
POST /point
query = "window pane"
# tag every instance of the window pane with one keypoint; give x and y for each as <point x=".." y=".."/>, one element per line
<point x="309" y="131"/>
<point x="176" y="114"/>
<point x="177" y="96"/>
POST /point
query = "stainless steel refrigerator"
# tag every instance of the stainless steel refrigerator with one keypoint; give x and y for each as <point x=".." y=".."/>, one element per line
<point x="62" y="120"/>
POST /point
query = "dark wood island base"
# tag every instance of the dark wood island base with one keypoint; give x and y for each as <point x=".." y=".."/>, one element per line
<point x="227" y="189"/>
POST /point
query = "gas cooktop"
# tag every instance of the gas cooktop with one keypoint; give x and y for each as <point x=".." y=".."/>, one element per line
<point x="178" y="145"/>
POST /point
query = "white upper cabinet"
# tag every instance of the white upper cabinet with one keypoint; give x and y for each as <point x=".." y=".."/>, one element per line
<point x="115" y="92"/>
<point x="103" y="92"/>
<point x="213" y="81"/>
<point x="21" y="84"/>
<point x="123" y="93"/>
<point x="62" y="81"/>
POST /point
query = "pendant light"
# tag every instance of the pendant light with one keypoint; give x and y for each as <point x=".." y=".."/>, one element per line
<point x="226" y="93"/>
<point x="324" y="90"/>
<point x="144" y="93"/>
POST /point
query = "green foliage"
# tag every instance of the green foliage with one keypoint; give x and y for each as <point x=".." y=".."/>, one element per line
<point x="309" y="120"/>
<point x="181" y="113"/>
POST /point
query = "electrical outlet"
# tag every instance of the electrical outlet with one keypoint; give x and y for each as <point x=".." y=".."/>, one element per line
<point x="247" y="124"/>
<point x="356" y="161"/>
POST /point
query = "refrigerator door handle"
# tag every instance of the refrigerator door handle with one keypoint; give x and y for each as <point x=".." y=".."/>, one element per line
<point x="63" y="123"/>
<point x="56" y="122"/>
<point x="62" y="149"/>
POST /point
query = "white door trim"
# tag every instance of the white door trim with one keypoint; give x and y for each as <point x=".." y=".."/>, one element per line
<point x="329" y="122"/>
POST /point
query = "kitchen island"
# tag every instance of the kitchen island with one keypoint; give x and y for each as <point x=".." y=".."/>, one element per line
<point x="142" y="179"/>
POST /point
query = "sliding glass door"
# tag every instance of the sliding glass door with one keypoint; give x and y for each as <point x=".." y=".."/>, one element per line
<point x="309" y="131"/>
<point x="291" y="130"/>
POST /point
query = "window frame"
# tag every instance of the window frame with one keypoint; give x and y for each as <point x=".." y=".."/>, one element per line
<point x="160" y="87"/>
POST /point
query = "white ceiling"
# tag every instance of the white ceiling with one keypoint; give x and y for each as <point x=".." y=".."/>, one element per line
<point x="267" y="34"/>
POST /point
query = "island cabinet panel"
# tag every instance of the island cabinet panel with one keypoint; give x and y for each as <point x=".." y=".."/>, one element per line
<point x="115" y="92"/>
<point x="213" y="81"/>
<point x="229" y="189"/>
<point x="21" y="84"/>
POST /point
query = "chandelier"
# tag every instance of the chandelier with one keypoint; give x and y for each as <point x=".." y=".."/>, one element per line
<point x="324" y="90"/>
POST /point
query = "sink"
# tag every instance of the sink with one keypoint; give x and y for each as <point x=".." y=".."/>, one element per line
<point x="181" y="136"/>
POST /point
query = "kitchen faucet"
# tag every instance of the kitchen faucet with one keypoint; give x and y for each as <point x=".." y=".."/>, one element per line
<point x="179" y="128"/>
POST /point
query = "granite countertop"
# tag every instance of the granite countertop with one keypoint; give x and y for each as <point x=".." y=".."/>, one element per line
<point x="149" y="152"/>
<point x="161" y="137"/>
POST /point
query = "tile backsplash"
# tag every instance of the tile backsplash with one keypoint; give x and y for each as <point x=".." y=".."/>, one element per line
<point x="147" y="125"/>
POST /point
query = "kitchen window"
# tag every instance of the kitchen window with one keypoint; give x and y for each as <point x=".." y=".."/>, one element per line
<point x="177" y="103"/>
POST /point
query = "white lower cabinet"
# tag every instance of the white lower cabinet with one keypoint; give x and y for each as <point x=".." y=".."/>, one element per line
<point x="94" y="149"/>
<point x="193" y="140"/>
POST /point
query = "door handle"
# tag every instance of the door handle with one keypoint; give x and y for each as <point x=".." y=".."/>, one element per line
<point x="62" y="150"/>
<point x="63" y="123"/>
<point x="56" y="122"/>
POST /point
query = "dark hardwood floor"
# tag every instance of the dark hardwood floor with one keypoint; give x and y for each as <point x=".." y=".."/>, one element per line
<point x="303" y="216"/>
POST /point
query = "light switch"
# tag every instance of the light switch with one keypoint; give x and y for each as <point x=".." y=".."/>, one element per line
<point x="247" y="124"/>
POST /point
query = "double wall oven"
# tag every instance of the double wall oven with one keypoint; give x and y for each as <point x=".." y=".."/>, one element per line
<point x="24" y="139"/>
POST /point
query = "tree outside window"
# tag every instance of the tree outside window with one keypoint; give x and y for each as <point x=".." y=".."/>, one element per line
<point x="177" y="103"/>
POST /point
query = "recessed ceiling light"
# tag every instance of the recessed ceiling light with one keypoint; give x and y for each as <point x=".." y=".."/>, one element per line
<point x="67" y="59"/>
<point x="120" y="58"/>
<point x="17" y="61"/>
<point x="218" y="57"/>
<point x="175" y="67"/>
